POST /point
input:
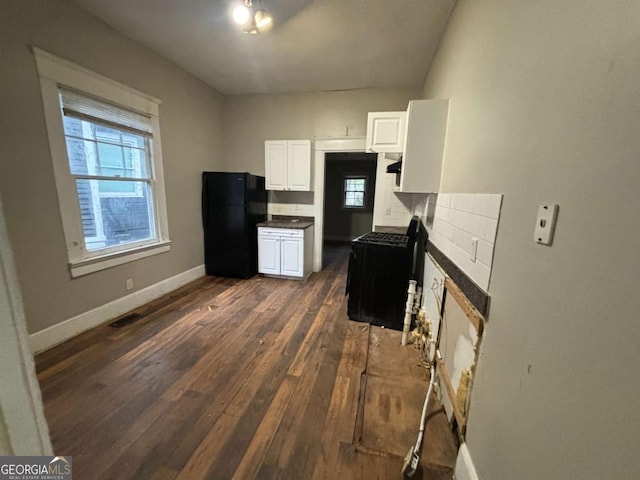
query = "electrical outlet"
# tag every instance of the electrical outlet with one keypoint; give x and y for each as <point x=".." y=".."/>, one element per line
<point x="129" y="284"/>
<point x="388" y="211"/>
<point x="474" y="249"/>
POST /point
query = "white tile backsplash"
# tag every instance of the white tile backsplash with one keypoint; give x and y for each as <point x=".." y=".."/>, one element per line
<point x="452" y="220"/>
<point x="290" y="203"/>
<point x="462" y="239"/>
<point x="444" y="200"/>
<point x="458" y="218"/>
<point x="491" y="229"/>
<point x="462" y="202"/>
<point x="292" y="209"/>
<point x="391" y="208"/>
<point x="442" y="213"/>
<point x="485" y="252"/>
<point x="487" y="205"/>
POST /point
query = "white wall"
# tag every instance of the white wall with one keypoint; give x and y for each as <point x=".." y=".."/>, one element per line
<point x="544" y="109"/>
<point x="252" y="119"/>
<point x="5" y="444"/>
<point x="191" y="125"/>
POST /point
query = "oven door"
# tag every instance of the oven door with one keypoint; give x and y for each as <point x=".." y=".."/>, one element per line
<point x="346" y="288"/>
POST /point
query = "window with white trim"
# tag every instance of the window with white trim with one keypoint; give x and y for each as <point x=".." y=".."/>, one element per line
<point x="354" y="191"/>
<point x="109" y="152"/>
<point x="108" y="165"/>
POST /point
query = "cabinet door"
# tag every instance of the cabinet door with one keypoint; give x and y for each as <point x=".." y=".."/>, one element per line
<point x="269" y="254"/>
<point x="292" y="257"/>
<point x="275" y="157"/>
<point x="385" y="132"/>
<point x="422" y="160"/>
<point x="299" y="165"/>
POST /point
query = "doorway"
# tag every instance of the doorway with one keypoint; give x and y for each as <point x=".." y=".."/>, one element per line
<point x="349" y="189"/>
<point x="322" y="147"/>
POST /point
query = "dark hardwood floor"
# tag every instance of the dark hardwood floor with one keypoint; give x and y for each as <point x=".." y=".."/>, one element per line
<point x="260" y="378"/>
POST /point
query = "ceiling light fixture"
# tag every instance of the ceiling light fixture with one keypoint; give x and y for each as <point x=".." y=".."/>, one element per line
<point x="262" y="19"/>
<point x="253" y="20"/>
<point x="242" y="14"/>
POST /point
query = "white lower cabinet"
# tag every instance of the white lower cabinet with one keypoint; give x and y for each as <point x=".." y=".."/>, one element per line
<point x="285" y="252"/>
<point x="291" y="257"/>
<point x="269" y="254"/>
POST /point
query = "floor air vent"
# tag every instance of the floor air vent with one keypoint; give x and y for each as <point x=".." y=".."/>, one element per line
<point x="126" y="320"/>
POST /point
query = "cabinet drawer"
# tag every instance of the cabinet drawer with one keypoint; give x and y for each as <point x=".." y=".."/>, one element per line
<point x="280" y="232"/>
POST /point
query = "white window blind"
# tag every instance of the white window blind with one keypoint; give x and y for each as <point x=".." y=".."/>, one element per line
<point x="84" y="107"/>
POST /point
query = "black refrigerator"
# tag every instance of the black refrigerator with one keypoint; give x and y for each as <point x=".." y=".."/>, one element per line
<point x="232" y="206"/>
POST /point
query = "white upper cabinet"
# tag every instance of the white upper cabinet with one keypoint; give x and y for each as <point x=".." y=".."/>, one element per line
<point x="385" y="132"/>
<point x="299" y="165"/>
<point x="423" y="150"/>
<point x="275" y="154"/>
<point x="288" y="164"/>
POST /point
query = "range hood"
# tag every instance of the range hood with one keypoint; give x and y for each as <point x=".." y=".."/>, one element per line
<point x="395" y="167"/>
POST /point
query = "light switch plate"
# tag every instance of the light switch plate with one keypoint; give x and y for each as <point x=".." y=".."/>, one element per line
<point x="545" y="223"/>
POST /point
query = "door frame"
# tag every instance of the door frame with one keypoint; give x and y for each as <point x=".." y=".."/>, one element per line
<point x="322" y="146"/>
<point x="23" y="428"/>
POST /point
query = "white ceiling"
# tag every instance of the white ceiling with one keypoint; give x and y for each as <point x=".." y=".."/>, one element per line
<point x="314" y="45"/>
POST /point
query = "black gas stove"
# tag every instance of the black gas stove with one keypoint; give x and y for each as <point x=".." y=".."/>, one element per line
<point x="380" y="238"/>
<point x="380" y="267"/>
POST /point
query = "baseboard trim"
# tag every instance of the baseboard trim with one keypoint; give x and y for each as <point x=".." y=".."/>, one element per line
<point x="63" y="331"/>
<point x="465" y="470"/>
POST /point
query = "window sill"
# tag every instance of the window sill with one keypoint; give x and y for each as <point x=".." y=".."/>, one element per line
<point x="95" y="264"/>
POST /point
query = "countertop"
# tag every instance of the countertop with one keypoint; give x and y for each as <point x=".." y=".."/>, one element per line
<point x="281" y="221"/>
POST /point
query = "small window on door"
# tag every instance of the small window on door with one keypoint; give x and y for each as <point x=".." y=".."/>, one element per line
<point x="354" y="191"/>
